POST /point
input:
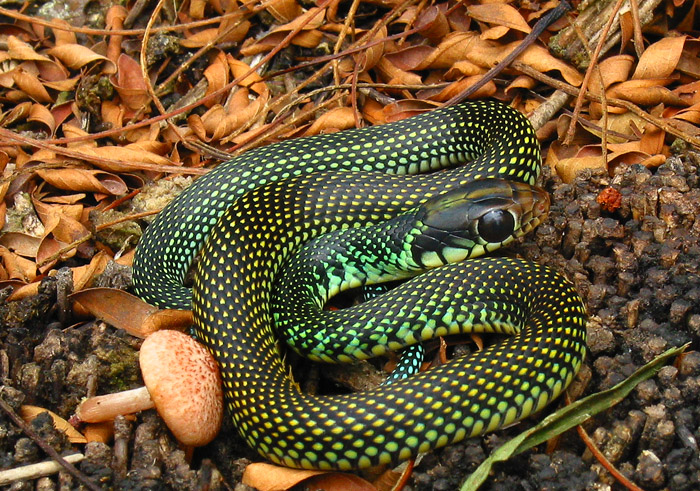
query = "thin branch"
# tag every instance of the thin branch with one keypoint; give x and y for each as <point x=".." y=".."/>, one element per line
<point x="46" y="447"/>
<point x="661" y="123"/>
<point x="589" y="72"/>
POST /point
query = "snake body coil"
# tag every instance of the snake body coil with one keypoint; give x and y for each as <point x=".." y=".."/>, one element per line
<point x="253" y="212"/>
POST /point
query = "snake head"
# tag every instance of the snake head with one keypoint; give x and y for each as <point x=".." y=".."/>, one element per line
<point x="476" y="218"/>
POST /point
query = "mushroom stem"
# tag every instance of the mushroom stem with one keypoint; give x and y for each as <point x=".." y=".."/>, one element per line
<point x="107" y="407"/>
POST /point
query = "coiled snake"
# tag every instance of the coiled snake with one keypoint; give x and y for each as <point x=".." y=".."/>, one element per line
<point x="252" y="213"/>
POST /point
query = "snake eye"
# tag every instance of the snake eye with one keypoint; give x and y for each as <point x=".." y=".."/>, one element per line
<point x="496" y="226"/>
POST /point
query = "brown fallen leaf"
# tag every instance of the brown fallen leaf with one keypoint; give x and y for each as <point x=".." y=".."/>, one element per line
<point x="76" y="56"/>
<point x="647" y="92"/>
<point x="29" y="413"/>
<point x="17" y="267"/>
<point x="500" y="14"/>
<point x="23" y="244"/>
<point x="660" y="59"/>
<point x="340" y="118"/>
<point x="128" y="312"/>
<point x="89" y="180"/>
<point x="19" y="50"/>
<point x="268" y="477"/>
<point x="116" y="307"/>
<point x="284" y="10"/>
<point x="129" y="83"/>
<point x="217" y="75"/>
<point x="30" y="84"/>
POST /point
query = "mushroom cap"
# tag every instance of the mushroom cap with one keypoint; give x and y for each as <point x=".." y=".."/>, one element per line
<point x="185" y="385"/>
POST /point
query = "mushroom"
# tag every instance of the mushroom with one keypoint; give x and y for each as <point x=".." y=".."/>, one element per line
<point x="182" y="382"/>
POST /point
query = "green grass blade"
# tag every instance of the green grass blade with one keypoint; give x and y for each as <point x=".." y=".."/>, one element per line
<point x="568" y="417"/>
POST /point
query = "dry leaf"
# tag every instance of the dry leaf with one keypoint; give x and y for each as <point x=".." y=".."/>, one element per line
<point x="19" y="50"/>
<point x="612" y="70"/>
<point x="268" y="477"/>
<point x="253" y="81"/>
<point x="116" y="307"/>
<point x="29" y="413"/>
<point x="31" y="85"/>
<point x="40" y="114"/>
<point x="284" y="10"/>
<point x="340" y="118"/>
<point x="660" y="59"/>
<point x="22" y="244"/>
<point x="648" y="92"/>
<point x="129" y="83"/>
<point x="432" y="23"/>
<point x="17" y="267"/>
<point x="89" y="180"/>
<point x="500" y="14"/>
<point x="217" y="77"/>
<point x="76" y="56"/>
<point x="84" y="275"/>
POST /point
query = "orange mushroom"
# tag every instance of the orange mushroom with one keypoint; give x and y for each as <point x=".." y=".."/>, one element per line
<point x="182" y="382"/>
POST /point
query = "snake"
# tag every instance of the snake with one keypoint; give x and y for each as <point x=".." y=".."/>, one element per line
<point x="251" y="215"/>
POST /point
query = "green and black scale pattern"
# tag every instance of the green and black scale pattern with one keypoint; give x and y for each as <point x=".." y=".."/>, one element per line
<point x="257" y="232"/>
<point x="465" y="222"/>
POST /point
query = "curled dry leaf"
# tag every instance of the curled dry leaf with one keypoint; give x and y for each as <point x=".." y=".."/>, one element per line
<point x="612" y="70"/>
<point x="660" y="59"/>
<point x="17" y="267"/>
<point x="116" y="307"/>
<point x="392" y="74"/>
<point x="284" y="10"/>
<point x="89" y="180"/>
<point x="29" y="413"/>
<point x="268" y="477"/>
<point x="219" y="122"/>
<point x="30" y="85"/>
<point x="253" y="81"/>
<point x="120" y="159"/>
<point x="23" y="244"/>
<point x="40" y="114"/>
<point x="84" y="275"/>
<point x="368" y="59"/>
<point x="20" y="289"/>
<point x="225" y="33"/>
<point x="217" y="77"/>
<point x="432" y="23"/>
<point x="648" y="92"/>
<point x="76" y="57"/>
<point x="19" y="50"/>
<point x="308" y="37"/>
<point x="129" y="83"/>
<point x="458" y="87"/>
<point x="499" y="14"/>
<point x="340" y="118"/>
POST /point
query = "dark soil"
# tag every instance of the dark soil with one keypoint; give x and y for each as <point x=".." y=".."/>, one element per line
<point x="637" y="267"/>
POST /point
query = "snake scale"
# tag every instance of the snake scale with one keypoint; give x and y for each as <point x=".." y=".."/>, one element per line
<point x="253" y="213"/>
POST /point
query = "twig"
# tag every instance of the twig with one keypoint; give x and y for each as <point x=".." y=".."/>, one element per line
<point x="144" y="69"/>
<point x="600" y="457"/>
<point x="571" y="90"/>
<point x="532" y="36"/>
<point x="594" y="66"/>
<point x="7" y="136"/>
<point x="120" y="32"/>
<point x="46" y="447"/>
<point x="35" y="471"/>
<point x="589" y="72"/>
<point x="636" y="20"/>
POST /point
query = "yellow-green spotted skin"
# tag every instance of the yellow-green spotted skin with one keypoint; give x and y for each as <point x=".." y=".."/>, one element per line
<point x="254" y="211"/>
